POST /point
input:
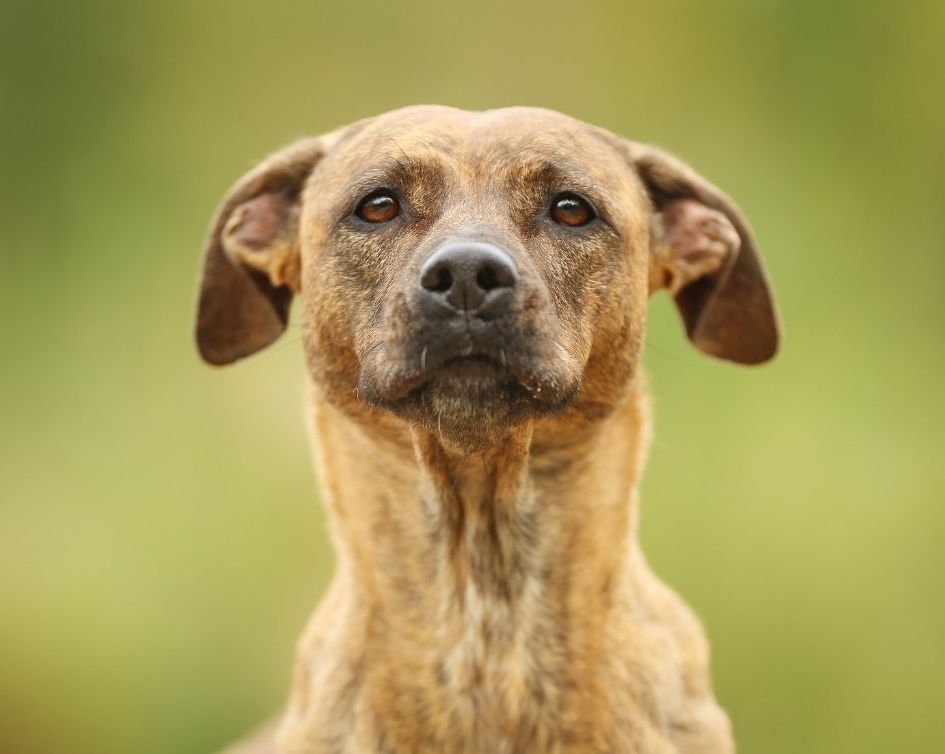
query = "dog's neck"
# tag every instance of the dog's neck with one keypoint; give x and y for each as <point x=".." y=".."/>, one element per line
<point x="441" y="542"/>
<point x="477" y="587"/>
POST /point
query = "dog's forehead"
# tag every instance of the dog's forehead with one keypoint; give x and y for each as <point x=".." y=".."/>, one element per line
<point x="493" y="140"/>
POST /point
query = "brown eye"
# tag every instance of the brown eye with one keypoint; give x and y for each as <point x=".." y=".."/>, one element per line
<point x="378" y="207"/>
<point x="571" y="210"/>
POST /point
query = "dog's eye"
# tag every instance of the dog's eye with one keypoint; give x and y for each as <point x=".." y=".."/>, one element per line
<point x="571" y="210"/>
<point x="380" y="206"/>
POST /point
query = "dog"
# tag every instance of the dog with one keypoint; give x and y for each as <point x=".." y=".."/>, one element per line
<point x="473" y="289"/>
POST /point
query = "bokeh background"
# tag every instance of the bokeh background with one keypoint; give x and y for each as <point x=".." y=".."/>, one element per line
<point x="161" y="541"/>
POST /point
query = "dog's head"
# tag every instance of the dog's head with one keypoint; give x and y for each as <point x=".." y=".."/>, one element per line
<point x="469" y="271"/>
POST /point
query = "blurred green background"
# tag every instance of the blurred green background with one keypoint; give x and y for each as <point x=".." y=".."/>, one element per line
<point x="161" y="543"/>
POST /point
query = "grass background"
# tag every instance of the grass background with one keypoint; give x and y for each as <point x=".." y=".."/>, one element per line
<point x="161" y="543"/>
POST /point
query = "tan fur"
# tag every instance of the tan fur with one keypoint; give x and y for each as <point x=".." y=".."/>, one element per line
<point x="490" y="594"/>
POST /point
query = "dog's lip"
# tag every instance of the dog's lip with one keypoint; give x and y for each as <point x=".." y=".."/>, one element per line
<point x="468" y="365"/>
<point x="453" y="364"/>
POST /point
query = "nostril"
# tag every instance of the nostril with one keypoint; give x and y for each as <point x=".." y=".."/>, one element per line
<point x="444" y="281"/>
<point x="487" y="279"/>
<point x="437" y="278"/>
<point x="496" y="273"/>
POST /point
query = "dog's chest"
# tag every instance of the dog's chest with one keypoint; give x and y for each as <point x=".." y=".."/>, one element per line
<point x="498" y="678"/>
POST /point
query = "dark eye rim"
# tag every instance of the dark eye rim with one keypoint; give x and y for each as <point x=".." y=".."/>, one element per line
<point x="593" y="214"/>
<point x="375" y="194"/>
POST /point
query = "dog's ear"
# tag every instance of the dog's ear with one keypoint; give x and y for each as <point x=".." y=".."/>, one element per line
<point x="704" y="253"/>
<point x="251" y="261"/>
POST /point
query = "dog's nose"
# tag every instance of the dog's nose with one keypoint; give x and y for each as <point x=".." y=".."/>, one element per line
<point x="470" y="276"/>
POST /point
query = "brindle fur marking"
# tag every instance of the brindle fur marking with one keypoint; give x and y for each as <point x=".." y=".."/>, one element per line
<point x="490" y="595"/>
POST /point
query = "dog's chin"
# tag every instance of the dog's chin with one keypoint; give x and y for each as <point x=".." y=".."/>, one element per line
<point x="468" y="402"/>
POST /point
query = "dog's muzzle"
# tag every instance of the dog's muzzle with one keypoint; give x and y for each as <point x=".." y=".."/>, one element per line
<point x="471" y="341"/>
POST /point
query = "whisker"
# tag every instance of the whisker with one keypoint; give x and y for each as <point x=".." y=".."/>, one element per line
<point x="257" y="328"/>
<point x="457" y="477"/>
<point x="663" y="352"/>
<point x="488" y="472"/>
<point x="288" y="344"/>
<point x="372" y="349"/>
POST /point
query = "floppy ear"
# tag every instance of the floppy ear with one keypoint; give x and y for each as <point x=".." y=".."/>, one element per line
<point x="251" y="259"/>
<point x="706" y="256"/>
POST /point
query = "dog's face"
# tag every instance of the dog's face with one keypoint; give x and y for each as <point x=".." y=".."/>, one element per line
<point x="483" y="258"/>
<point x="469" y="271"/>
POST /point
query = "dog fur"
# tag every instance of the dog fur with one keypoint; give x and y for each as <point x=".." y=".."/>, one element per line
<point x="490" y="594"/>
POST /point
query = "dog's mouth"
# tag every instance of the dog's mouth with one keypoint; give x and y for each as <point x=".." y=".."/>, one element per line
<point x="476" y="366"/>
<point x="472" y="379"/>
<point x="464" y="388"/>
<point x="466" y="372"/>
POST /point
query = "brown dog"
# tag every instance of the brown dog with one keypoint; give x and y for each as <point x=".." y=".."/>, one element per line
<point x="474" y="290"/>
